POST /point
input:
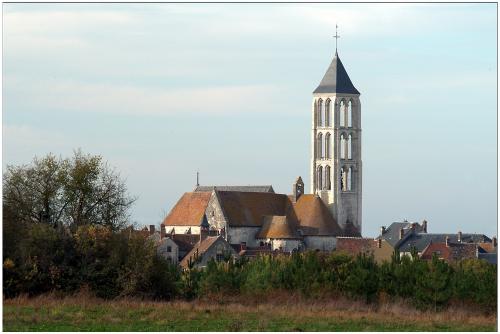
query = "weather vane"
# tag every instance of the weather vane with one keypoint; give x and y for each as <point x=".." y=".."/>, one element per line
<point x="336" y="37"/>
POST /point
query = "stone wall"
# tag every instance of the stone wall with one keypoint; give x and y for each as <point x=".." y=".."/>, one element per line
<point x="237" y="235"/>
<point x="323" y="243"/>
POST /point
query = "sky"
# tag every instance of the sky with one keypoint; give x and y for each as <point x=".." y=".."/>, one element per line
<point x="163" y="90"/>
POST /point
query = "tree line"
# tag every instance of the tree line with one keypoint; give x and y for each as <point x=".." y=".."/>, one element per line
<point x="65" y="228"/>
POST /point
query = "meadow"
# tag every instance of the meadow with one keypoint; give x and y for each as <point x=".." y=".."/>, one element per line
<point x="277" y="313"/>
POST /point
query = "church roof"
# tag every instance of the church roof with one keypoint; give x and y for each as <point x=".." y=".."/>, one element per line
<point x="336" y="79"/>
<point x="314" y="217"/>
<point x="189" y="210"/>
<point x="248" y="208"/>
<point x="254" y="189"/>
<point x="277" y="227"/>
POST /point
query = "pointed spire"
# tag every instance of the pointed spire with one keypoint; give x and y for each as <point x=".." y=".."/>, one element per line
<point x="336" y="79"/>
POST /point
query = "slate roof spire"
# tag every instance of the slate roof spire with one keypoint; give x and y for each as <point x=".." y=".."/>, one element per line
<point x="336" y="79"/>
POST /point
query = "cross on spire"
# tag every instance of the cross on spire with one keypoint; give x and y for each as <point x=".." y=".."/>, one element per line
<point x="336" y="37"/>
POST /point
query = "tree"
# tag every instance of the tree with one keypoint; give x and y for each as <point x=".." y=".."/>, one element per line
<point x="77" y="191"/>
<point x="433" y="288"/>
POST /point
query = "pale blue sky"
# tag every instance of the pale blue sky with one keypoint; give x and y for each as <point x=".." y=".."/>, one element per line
<point x="161" y="90"/>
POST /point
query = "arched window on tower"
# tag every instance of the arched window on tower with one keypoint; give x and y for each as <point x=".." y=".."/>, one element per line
<point x="342" y="113"/>
<point x="349" y="179"/>
<point x="328" y="146"/>
<point x="328" y="178"/>
<point x="320" y="112"/>
<point x="342" y="146"/>
<point x="319" y="177"/>
<point x="349" y="114"/>
<point x="320" y="146"/>
<point x="342" y="179"/>
<point x="328" y="113"/>
<point x="349" y="147"/>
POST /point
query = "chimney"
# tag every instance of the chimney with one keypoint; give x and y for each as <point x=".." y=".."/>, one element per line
<point x="424" y="226"/>
<point x="447" y="241"/>
<point x="494" y="241"/>
<point x="401" y="233"/>
<point x="379" y="243"/>
<point x="459" y="237"/>
<point x="151" y="229"/>
<point x="162" y="231"/>
<point x="203" y="233"/>
<point x="382" y="230"/>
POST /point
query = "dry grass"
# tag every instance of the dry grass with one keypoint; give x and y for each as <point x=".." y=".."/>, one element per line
<point x="231" y="313"/>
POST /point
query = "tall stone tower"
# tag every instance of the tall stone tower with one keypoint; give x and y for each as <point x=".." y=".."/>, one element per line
<point x="336" y="146"/>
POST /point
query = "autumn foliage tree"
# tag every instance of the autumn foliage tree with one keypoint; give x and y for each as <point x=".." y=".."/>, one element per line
<point x="66" y="192"/>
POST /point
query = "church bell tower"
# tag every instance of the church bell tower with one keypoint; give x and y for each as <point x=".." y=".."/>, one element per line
<point x="336" y="146"/>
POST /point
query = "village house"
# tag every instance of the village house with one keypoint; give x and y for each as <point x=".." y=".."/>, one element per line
<point x="380" y="249"/>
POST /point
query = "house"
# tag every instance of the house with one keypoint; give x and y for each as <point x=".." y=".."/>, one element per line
<point x="169" y="250"/>
<point x="380" y="249"/>
<point x="210" y="247"/>
<point x="449" y="251"/>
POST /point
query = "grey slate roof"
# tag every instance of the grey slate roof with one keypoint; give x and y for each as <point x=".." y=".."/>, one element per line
<point x="391" y="234"/>
<point x="490" y="257"/>
<point x="421" y="240"/>
<point x="336" y="79"/>
<point x="251" y="189"/>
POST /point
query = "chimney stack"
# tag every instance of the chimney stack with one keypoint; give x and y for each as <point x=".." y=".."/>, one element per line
<point x="203" y="233"/>
<point x="151" y="229"/>
<point x="401" y="233"/>
<point x="379" y="243"/>
<point x="459" y="236"/>
<point x="162" y="231"/>
<point x="494" y="241"/>
<point x="424" y="226"/>
<point x="298" y="189"/>
<point x="382" y="230"/>
<point x="447" y="241"/>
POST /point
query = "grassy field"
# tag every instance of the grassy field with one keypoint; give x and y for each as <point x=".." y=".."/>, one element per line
<point x="47" y="313"/>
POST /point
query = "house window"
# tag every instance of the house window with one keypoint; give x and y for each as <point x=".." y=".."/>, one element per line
<point x="169" y="249"/>
<point x="219" y="257"/>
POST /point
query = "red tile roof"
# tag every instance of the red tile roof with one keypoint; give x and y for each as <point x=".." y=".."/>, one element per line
<point x="314" y="217"/>
<point x="277" y="227"/>
<point x="355" y="246"/>
<point x="199" y="249"/>
<point x="189" y="210"/>
<point x="248" y="209"/>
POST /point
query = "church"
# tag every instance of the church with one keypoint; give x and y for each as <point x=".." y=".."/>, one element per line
<point x="253" y="217"/>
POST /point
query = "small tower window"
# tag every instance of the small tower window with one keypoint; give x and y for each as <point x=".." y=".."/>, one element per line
<point x="328" y="146"/>
<point x="320" y="112"/>
<point x="349" y="147"/>
<point x="319" y="176"/>
<point x="328" y="181"/>
<point x="342" y="146"/>
<point x="343" y="179"/>
<point x="349" y="114"/>
<point x="320" y="146"/>
<point x="342" y="113"/>
<point x="349" y="179"/>
<point x="328" y="113"/>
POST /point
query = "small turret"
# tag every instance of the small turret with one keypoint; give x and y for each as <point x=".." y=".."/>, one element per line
<point x="298" y="189"/>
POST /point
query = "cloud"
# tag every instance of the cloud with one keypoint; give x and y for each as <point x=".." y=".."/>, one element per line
<point x="67" y="95"/>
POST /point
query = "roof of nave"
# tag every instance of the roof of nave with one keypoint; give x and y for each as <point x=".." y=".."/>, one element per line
<point x="277" y="227"/>
<point x="189" y="210"/>
<point x="254" y="189"/>
<point x="314" y="217"/>
<point x="336" y="79"/>
<point x="248" y="208"/>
